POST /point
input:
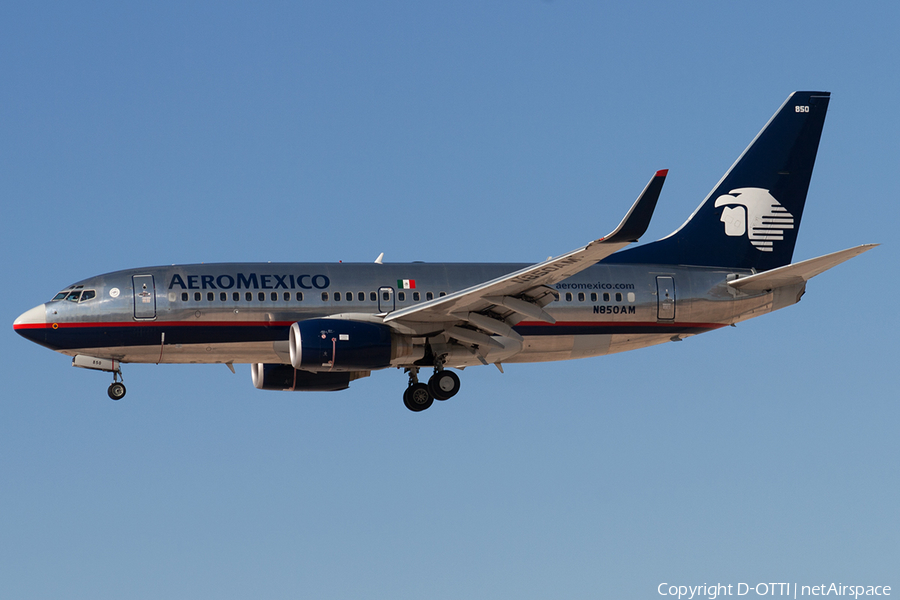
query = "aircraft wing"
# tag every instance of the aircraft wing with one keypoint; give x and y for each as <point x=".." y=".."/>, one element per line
<point x="524" y="291"/>
<point x="797" y="272"/>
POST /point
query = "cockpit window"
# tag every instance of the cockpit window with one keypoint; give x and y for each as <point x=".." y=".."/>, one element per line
<point x="60" y="296"/>
<point x="74" y="296"/>
<point x="87" y="295"/>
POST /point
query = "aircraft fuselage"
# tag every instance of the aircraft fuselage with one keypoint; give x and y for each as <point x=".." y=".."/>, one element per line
<point x="241" y="312"/>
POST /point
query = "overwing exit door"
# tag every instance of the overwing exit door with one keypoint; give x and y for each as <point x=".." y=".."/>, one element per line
<point x="386" y="302"/>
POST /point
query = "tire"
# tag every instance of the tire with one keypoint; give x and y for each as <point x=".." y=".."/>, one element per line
<point x="116" y="390"/>
<point x="443" y="385"/>
<point x="417" y="397"/>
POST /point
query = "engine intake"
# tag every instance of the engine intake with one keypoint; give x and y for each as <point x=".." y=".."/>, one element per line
<point x="337" y="345"/>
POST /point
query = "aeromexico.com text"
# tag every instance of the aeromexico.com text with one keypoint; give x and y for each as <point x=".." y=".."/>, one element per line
<point x="250" y="281"/>
<point x="595" y="286"/>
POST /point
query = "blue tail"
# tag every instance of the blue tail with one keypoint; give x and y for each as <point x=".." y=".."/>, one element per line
<point x="752" y="216"/>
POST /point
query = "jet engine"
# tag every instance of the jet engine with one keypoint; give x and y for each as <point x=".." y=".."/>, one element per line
<point x="287" y="378"/>
<point x="338" y="345"/>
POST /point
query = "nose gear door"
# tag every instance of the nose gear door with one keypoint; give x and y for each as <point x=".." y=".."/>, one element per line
<point x="144" y="296"/>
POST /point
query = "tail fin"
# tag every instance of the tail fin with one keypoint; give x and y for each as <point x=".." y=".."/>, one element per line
<point x="752" y="216"/>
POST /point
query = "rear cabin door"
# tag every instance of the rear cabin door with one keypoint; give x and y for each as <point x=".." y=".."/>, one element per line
<point x="665" y="298"/>
<point x="144" y="296"/>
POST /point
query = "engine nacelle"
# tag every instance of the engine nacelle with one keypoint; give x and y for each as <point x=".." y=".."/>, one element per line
<point x="337" y="345"/>
<point x="287" y="378"/>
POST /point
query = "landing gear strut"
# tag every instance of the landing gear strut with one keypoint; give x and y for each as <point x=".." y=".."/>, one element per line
<point x="416" y="397"/>
<point x="116" y="389"/>
<point x="443" y="385"/>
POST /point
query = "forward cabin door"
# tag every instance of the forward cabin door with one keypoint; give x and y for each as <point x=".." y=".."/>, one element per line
<point x="665" y="298"/>
<point x="144" y="296"/>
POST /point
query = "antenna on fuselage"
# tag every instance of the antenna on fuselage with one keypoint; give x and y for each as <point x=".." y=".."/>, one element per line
<point x="378" y="260"/>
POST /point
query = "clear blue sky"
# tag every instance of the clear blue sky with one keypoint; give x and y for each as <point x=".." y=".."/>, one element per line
<point x="135" y="134"/>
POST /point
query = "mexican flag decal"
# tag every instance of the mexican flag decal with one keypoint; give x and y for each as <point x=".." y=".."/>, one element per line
<point x="406" y="284"/>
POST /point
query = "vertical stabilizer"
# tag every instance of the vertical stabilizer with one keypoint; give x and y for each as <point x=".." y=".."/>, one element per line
<point x="752" y="216"/>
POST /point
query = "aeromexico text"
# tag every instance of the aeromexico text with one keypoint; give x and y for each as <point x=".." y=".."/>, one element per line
<point x="250" y="281"/>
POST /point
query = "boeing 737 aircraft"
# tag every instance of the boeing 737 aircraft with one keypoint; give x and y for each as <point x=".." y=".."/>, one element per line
<point x="306" y="326"/>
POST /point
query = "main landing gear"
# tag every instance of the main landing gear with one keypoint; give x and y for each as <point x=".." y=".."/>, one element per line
<point x="443" y="385"/>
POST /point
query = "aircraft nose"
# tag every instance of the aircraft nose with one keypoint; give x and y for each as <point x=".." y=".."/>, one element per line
<point x="37" y="316"/>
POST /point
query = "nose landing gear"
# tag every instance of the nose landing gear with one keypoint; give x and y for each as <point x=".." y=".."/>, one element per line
<point x="116" y="389"/>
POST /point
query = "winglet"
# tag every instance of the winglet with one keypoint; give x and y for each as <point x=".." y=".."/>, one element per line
<point x="635" y="223"/>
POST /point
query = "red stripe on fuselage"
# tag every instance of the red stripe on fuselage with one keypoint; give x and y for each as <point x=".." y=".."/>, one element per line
<point x="84" y="324"/>
<point x="673" y="324"/>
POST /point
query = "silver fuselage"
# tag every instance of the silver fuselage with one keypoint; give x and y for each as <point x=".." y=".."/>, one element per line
<point x="242" y="312"/>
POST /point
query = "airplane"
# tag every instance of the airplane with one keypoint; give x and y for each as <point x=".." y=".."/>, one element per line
<point x="319" y="326"/>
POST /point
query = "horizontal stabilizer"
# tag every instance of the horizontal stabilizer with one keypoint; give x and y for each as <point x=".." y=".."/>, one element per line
<point x="797" y="272"/>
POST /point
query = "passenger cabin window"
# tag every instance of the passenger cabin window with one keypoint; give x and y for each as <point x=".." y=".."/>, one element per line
<point x="235" y="296"/>
<point x="429" y="296"/>
<point x="196" y="296"/>
<point x="415" y="296"/>
<point x="373" y="297"/>
<point x="337" y="296"/>
<point x="606" y="296"/>
<point x="184" y="296"/>
<point x="361" y="296"/>
<point x="401" y="296"/>
<point x="618" y="296"/>
<point x="287" y="296"/>
<point x="385" y="295"/>
<point x="248" y="296"/>
<point x="593" y="296"/>
<point x="274" y="296"/>
<point x="568" y="296"/>
<point x="261" y="296"/>
<point x="299" y="296"/>
<point x="325" y="296"/>
<point x="223" y="297"/>
<point x="210" y="296"/>
<point x="442" y="294"/>
<point x="581" y="296"/>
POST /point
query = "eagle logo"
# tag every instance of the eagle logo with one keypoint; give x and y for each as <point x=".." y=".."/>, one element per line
<point x="757" y="214"/>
